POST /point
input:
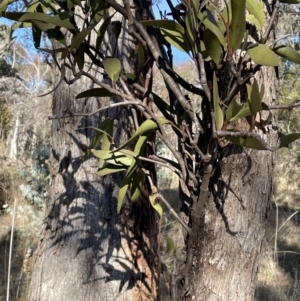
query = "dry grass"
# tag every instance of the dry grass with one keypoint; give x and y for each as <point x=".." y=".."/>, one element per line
<point x="25" y="235"/>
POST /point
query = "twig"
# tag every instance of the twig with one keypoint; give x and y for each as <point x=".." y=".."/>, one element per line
<point x="285" y="107"/>
<point x="172" y="211"/>
<point x="113" y="105"/>
<point x="271" y="22"/>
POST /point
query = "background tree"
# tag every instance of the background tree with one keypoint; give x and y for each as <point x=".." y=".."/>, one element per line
<point x="224" y="188"/>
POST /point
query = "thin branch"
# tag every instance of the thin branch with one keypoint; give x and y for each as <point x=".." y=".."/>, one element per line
<point x="290" y="106"/>
<point x="271" y="23"/>
<point x="172" y="211"/>
<point x="113" y="105"/>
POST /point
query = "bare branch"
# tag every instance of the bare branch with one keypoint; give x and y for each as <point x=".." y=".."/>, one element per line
<point x="172" y="211"/>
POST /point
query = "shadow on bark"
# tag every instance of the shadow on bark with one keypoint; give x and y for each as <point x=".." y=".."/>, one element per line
<point x="116" y="247"/>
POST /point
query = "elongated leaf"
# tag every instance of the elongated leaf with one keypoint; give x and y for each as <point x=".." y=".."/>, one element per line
<point x="232" y="110"/>
<point x="173" y="32"/>
<point x="251" y="19"/>
<point x="106" y="140"/>
<point x="80" y="58"/>
<point x="226" y="16"/>
<point x="170" y="247"/>
<point x="119" y="159"/>
<point x="101" y="32"/>
<point x="112" y="67"/>
<point x="12" y="15"/>
<point x="56" y="34"/>
<point x="61" y="20"/>
<point x="213" y="46"/>
<point x="156" y="205"/>
<point x="147" y="126"/>
<point x="96" y="139"/>
<point x="285" y="140"/>
<point x="246" y="142"/>
<point x="4" y="4"/>
<point x="125" y="184"/>
<point x="263" y="55"/>
<point x="41" y="25"/>
<point x="136" y="185"/>
<point x="109" y="169"/>
<point x="218" y="111"/>
<point x="191" y="29"/>
<point x="208" y="20"/>
<point x="256" y="9"/>
<point x="238" y="23"/>
<point x="243" y="112"/>
<point x="254" y="98"/>
<point x="96" y="92"/>
<point x="288" y="53"/>
<point x="78" y="39"/>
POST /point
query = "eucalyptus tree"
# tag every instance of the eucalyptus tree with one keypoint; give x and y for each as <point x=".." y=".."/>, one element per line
<point x="101" y="237"/>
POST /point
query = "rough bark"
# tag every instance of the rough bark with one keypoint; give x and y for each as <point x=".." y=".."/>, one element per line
<point x="226" y="262"/>
<point x="87" y="251"/>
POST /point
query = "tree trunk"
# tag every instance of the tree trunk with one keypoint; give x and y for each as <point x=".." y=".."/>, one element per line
<point x="227" y="260"/>
<point x="87" y="251"/>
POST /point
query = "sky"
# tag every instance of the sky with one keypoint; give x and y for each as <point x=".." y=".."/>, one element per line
<point x="178" y="56"/>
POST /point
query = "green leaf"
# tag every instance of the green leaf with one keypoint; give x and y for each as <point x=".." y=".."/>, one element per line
<point x="238" y="23"/>
<point x="251" y="19"/>
<point x="212" y="45"/>
<point x="96" y="139"/>
<point x="56" y="34"/>
<point x="226" y="15"/>
<point x="119" y="159"/>
<point x="61" y="20"/>
<point x="136" y="185"/>
<point x="170" y="247"/>
<point x="232" y="110"/>
<point x="78" y="39"/>
<point x="125" y="183"/>
<point x="191" y="29"/>
<point x="101" y="32"/>
<point x="109" y="169"/>
<point x="256" y="9"/>
<point x="263" y="55"/>
<point x="288" y="53"/>
<point x="112" y="67"/>
<point x="285" y="140"/>
<point x="217" y="107"/>
<point x="80" y="58"/>
<point x="173" y="32"/>
<point x="96" y="92"/>
<point x="41" y="25"/>
<point x="147" y="126"/>
<point x="116" y="27"/>
<point x="12" y="15"/>
<point x="208" y="20"/>
<point x="244" y="110"/>
<point x="4" y="4"/>
<point x="156" y="205"/>
<point x="96" y="18"/>
<point x="254" y="98"/>
<point x="246" y="142"/>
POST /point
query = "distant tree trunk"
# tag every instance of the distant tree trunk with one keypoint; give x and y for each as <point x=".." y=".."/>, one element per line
<point x="86" y="250"/>
<point x="14" y="141"/>
<point x="227" y="260"/>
